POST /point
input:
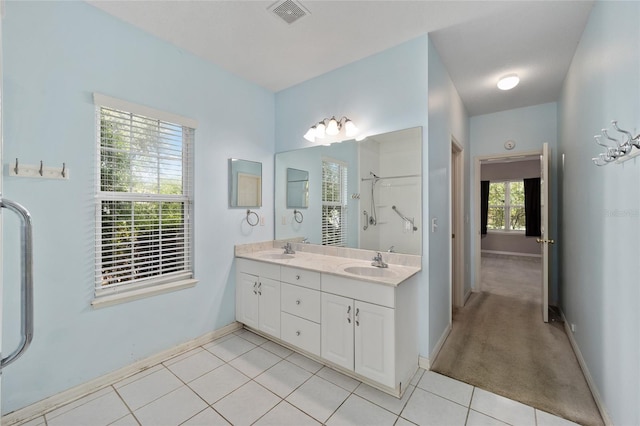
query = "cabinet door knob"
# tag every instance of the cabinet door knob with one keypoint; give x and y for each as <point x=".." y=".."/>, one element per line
<point x="298" y="302"/>
<point x="297" y="277"/>
<point x="298" y="333"/>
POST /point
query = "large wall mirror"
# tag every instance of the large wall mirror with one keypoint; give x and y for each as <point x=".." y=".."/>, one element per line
<point x="245" y="183"/>
<point x="365" y="194"/>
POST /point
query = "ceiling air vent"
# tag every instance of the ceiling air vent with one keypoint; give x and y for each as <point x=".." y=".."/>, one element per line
<point x="288" y="10"/>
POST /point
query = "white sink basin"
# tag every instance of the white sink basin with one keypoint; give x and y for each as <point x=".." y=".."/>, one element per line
<point x="369" y="271"/>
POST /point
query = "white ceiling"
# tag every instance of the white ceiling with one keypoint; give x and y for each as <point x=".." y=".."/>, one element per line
<point x="478" y="41"/>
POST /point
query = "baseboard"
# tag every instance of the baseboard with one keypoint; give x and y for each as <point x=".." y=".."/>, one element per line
<point x="467" y="295"/>
<point x="426" y="363"/>
<point x="587" y="375"/>
<point x="510" y="253"/>
<point x="41" y="407"/>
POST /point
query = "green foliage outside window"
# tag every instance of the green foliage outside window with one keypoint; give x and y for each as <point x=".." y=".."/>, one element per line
<point x="506" y="206"/>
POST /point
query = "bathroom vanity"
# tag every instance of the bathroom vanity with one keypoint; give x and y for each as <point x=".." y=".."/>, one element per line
<point x="330" y="304"/>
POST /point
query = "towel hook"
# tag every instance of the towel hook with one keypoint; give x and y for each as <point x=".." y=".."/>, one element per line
<point x="249" y="213"/>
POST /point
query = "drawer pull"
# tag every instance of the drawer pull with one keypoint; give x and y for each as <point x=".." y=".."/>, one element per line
<point x="298" y="333"/>
<point x="298" y="302"/>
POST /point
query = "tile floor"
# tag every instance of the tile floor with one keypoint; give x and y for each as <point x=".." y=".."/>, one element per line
<point x="243" y="379"/>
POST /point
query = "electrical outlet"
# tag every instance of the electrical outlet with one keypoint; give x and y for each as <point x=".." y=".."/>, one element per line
<point x="261" y="220"/>
<point x="573" y="328"/>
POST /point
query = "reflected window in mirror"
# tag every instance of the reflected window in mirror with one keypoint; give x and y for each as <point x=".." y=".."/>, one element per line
<point x="245" y="183"/>
<point x="297" y="188"/>
<point x="334" y="203"/>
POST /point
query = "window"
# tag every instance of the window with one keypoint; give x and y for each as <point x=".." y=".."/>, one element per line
<point x="334" y="203"/>
<point x="143" y="200"/>
<point x="506" y="206"/>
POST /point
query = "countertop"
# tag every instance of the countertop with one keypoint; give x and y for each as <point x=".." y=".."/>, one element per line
<point x="394" y="275"/>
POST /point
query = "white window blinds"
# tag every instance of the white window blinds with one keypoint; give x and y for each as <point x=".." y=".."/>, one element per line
<point x="334" y="203"/>
<point x="144" y="200"/>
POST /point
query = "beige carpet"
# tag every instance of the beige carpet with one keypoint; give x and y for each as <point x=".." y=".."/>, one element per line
<point x="499" y="343"/>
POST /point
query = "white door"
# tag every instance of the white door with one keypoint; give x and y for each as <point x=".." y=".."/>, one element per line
<point x="1" y="188"/>
<point x="374" y="342"/>
<point x="247" y="300"/>
<point x="269" y="309"/>
<point x="337" y="330"/>
<point x="545" y="240"/>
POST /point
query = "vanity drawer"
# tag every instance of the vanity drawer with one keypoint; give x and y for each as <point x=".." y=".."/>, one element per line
<point x="302" y="277"/>
<point x="301" y="333"/>
<point x="300" y="301"/>
<point x="261" y="269"/>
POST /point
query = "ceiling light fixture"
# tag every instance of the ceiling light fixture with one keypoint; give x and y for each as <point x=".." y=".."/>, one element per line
<point x="338" y="130"/>
<point x="508" y="82"/>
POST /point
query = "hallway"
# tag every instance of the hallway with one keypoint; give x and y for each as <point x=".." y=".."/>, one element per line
<point x="499" y="342"/>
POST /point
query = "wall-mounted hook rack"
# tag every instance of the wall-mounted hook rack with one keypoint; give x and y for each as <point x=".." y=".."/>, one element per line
<point x="625" y="149"/>
<point x="38" y="171"/>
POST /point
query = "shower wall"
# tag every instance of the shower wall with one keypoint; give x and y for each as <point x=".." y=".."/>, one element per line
<point x="391" y="161"/>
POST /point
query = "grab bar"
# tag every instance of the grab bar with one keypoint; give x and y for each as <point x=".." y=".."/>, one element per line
<point x="27" y="280"/>
<point x="413" y="225"/>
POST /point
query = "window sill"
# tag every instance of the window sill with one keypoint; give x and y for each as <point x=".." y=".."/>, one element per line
<point x="141" y="293"/>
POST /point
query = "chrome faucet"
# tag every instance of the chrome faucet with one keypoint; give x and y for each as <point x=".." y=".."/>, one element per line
<point x="378" y="262"/>
<point x="288" y="249"/>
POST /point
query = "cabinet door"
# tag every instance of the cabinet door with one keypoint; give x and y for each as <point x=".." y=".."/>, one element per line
<point x="247" y="299"/>
<point x="337" y="330"/>
<point x="375" y="342"/>
<point x="269" y="311"/>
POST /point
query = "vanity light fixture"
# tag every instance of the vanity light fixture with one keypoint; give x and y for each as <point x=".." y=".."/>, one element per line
<point x="332" y="128"/>
<point x="508" y="82"/>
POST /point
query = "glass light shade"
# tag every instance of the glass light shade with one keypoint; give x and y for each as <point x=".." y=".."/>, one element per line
<point x="332" y="127"/>
<point x="508" y="82"/>
<point x="350" y="129"/>
<point x="311" y="134"/>
<point x="320" y="130"/>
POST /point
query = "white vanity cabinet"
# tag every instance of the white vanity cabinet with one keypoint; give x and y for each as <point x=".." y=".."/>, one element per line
<point x="258" y="296"/>
<point x="364" y="328"/>
<point x="362" y="331"/>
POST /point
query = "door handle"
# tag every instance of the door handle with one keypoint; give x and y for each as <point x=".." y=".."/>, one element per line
<point x="26" y="279"/>
<point x="539" y="241"/>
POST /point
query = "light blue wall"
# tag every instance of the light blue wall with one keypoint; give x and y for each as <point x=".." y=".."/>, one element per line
<point x="380" y="93"/>
<point x="55" y="55"/>
<point x="600" y="208"/>
<point x="529" y="127"/>
<point x="447" y="118"/>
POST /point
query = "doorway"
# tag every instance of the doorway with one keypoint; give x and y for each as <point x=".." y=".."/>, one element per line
<point x="457" y="226"/>
<point x="503" y="241"/>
